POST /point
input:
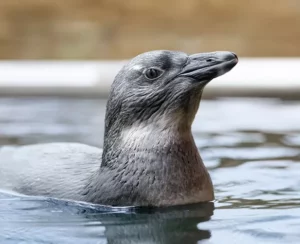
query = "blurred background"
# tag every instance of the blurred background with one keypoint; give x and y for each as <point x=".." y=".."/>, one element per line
<point x="115" y="29"/>
<point x="76" y="47"/>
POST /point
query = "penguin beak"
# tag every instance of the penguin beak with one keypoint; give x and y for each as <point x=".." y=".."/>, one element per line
<point x="207" y="66"/>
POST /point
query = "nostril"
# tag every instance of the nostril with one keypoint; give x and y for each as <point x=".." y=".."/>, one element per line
<point x="209" y="60"/>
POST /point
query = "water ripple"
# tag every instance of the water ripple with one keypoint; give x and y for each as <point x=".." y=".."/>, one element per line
<point x="250" y="146"/>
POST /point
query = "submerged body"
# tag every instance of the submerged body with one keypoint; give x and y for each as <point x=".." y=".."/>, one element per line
<point x="55" y="169"/>
<point x="72" y="171"/>
<point x="149" y="156"/>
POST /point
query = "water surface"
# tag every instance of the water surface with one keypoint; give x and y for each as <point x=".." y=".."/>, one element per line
<point x="250" y="146"/>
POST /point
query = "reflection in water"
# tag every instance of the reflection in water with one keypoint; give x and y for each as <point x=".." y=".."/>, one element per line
<point x="119" y="225"/>
<point x="253" y="156"/>
<point x="176" y="225"/>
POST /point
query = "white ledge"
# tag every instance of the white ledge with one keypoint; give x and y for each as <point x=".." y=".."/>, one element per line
<point x="250" y="76"/>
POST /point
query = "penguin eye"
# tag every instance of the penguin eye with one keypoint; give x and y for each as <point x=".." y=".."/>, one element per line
<point x="153" y="73"/>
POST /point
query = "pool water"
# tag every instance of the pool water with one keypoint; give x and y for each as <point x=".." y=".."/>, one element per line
<point x="250" y="146"/>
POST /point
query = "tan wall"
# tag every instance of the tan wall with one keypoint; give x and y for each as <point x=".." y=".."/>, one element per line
<point x="120" y="29"/>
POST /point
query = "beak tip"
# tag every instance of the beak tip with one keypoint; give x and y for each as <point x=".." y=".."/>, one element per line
<point x="230" y="56"/>
<point x="235" y="56"/>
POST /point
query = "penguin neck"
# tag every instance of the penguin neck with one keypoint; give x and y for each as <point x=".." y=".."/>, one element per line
<point x="151" y="140"/>
<point x="163" y="161"/>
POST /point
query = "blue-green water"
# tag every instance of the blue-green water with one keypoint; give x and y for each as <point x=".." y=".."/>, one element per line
<point x="250" y="146"/>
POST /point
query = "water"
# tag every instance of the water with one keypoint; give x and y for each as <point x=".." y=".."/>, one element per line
<point x="250" y="146"/>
